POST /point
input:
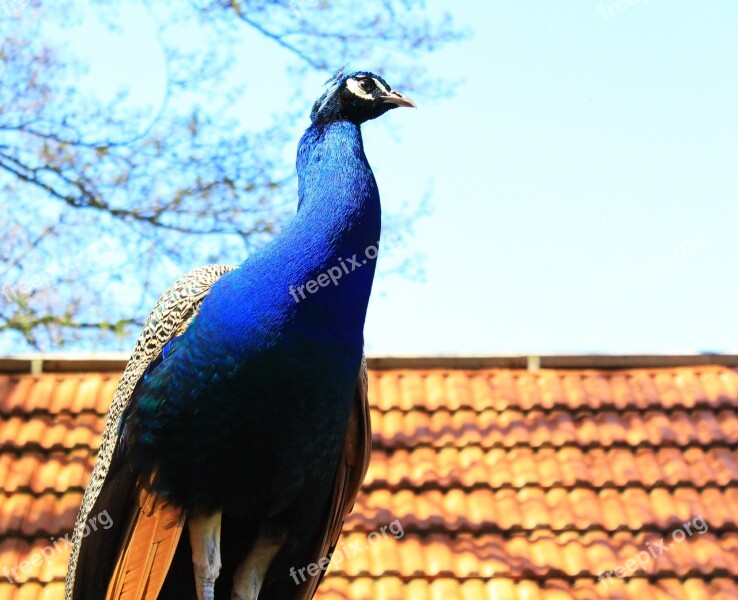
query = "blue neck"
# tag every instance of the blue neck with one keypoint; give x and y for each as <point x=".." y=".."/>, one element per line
<point x="339" y="211"/>
<point x="269" y="300"/>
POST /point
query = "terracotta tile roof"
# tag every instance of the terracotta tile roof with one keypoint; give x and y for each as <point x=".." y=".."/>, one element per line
<point x="485" y="483"/>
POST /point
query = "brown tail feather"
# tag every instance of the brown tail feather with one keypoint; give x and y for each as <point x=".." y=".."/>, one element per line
<point x="151" y="538"/>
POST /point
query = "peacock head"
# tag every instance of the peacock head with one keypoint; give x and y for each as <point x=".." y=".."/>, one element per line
<point x="356" y="97"/>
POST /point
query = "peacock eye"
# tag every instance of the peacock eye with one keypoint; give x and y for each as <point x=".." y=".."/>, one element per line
<point x="367" y="85"/>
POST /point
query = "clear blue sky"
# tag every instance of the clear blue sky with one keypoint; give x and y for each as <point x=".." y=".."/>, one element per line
<point x="585" y="176"/>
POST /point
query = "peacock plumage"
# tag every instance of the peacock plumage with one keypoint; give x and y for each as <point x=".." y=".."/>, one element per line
<point x="239" y="434"/>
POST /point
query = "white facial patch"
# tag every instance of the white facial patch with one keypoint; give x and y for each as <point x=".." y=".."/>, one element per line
<point x="354" y="87"/>
<point x="381" y="86"/>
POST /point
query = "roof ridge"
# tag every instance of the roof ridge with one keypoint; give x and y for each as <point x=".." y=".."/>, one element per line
<point x="115" y="361"/>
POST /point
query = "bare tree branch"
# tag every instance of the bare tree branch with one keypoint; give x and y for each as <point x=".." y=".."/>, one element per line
<point x="102" y="204"/>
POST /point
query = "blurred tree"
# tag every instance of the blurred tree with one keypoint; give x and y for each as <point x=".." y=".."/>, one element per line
<point x="103" y="203"/>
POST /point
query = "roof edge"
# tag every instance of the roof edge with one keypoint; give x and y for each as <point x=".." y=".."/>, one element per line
<point x="115" y="362"/>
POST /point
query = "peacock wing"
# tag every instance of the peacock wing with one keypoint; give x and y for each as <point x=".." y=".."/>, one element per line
<point x="114" y="490"/>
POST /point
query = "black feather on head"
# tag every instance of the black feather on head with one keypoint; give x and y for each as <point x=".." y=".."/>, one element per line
<point x="356" y="97"/>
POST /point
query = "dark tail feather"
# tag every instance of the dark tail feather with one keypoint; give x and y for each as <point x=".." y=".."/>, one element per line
<point x="99" y="545"/>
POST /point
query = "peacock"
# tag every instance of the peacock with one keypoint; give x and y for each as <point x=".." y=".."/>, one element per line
<point x="239" y="433"/>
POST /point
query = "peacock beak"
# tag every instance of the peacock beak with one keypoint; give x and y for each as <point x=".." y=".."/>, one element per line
<point x="398" y="99"/>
